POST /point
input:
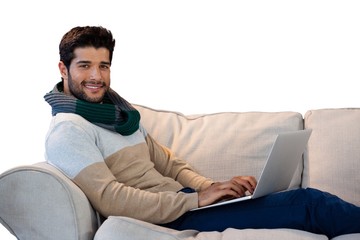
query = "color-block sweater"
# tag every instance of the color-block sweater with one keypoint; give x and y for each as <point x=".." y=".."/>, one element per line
<point x="132" y="176"/>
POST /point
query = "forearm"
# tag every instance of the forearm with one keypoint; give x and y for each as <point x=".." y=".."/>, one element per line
<point x="110" y="197"/>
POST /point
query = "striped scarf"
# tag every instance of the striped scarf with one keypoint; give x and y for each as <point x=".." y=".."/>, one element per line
<point x="114" y="114"/>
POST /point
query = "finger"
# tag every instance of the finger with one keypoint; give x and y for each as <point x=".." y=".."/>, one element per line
<point x="235" y="192"/>
<point x="252" y="181"/>
<point x="239" y="188"/>
<point x="231" y="188"/>
<point x="249" y="183"/>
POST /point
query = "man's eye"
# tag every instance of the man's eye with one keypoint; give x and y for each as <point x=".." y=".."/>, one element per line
<point x="84" y="66"/>
<point x="105" y="66"/>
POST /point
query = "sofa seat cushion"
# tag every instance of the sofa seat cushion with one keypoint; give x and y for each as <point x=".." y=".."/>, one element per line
<point x="332" y="160"/>
<point x="355" y="236"/>
<point x="221" y="145"/>
<point x="131" y="229"/>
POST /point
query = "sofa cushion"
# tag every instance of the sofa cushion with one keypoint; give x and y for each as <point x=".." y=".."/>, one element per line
<point x="131" y="229"/>
<point x="221" y="145"/>
<point x="354" y="236"/>
<point x="332" y="162"/>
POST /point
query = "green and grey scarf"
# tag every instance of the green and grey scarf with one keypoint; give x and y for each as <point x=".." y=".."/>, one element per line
<point x="115" y="113"/>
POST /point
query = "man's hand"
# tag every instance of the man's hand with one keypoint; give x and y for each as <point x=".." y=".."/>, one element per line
<point x="236" y="187"/>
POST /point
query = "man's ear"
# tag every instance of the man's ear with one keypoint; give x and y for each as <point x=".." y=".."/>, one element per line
<point x="63" y="70"/>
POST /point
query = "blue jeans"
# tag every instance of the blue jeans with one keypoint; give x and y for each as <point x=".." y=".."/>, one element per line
<point x="304" y="209"/>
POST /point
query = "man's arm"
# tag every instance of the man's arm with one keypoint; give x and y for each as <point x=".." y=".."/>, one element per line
<point x="73" y="150"/>
<point x="109" y="197"/>
<point x="208" y="191"/>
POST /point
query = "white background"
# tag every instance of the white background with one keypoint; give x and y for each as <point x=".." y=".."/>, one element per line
<point x="188" y="56"/>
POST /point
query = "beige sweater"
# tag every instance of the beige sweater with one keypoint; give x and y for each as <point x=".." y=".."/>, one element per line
<point x="131" y="176"/>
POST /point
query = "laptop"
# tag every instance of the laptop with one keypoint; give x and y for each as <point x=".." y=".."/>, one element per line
<point x="281" y="164"/>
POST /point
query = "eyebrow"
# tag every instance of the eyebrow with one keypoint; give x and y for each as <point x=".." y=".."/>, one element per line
<point x="87" y="62"/>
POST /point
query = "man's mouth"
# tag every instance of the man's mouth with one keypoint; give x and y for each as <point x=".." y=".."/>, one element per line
<point x="94" y="86"/>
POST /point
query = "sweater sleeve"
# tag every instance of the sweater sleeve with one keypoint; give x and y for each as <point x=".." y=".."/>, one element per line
<point x="73" y="150"/>
<point x="171" y="166"/>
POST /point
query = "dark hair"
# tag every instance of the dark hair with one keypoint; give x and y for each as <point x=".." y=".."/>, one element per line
<point x="88" y="36"/>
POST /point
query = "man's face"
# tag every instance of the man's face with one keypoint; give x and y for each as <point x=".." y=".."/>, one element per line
<point x="88" y="77"/>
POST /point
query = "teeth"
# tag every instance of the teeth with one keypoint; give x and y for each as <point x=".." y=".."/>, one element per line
<point x="93" y="86"/>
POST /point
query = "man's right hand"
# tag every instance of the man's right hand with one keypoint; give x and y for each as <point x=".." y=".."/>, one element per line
<point x="235" y="188"/>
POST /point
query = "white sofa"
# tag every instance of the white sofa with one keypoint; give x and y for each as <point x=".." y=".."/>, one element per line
<point x="39" y="202"/>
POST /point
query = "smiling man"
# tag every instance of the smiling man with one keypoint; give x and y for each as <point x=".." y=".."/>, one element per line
<point x="88" y="77"/>
<point x="96" y="139"/>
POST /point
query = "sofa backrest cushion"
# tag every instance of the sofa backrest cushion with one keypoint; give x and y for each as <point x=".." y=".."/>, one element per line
<point x="221" y="145"/>
<point x="332" y="162"/>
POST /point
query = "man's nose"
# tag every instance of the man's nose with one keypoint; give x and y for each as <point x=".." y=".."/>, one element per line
<point x="95" y="73"/>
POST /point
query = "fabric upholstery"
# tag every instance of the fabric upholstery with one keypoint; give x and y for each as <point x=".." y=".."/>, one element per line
<point x="355" y="236"/>
<point x="38" y="202"/>
<point x="333" y="157"/>
<point x="131" y="229"/>
<point x="222" y="145"/>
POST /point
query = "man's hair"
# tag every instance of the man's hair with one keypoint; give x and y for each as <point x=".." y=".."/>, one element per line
<point x="89" y="36"/>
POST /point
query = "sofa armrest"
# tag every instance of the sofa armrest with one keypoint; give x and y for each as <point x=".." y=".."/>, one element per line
<point x="39" y="202"/>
